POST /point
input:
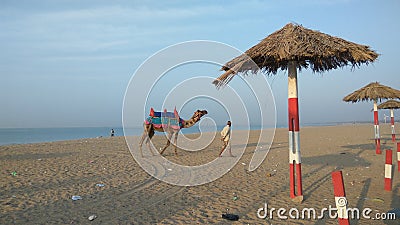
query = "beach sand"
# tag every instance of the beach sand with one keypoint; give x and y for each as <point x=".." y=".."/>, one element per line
<point x="47" y="175"/>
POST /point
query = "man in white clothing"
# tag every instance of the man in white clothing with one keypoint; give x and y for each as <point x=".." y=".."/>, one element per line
<point x="225" y="137"/>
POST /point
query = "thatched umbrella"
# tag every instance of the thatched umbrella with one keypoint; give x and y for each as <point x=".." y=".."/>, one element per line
<point x="295" y="47"/>
<point x="373" y="91"/>
<point x="391" y="104"/>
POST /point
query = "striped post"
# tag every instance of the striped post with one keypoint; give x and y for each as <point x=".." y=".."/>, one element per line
<point x="294" y="139"/>
<point x="340" y="197"/>
<point x="388" y="170"/>
<point x="376" y="129"/>
<point x="398" y="156"/>
<point x="392" y="125"/>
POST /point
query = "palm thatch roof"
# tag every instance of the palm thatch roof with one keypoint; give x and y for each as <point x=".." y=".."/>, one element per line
<point x="390" y="104"/>
<point x="308" y="48"/>
<point x="373" y="91"/>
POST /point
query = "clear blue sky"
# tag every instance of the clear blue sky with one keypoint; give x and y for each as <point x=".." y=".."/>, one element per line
<point x="68" y="63"/>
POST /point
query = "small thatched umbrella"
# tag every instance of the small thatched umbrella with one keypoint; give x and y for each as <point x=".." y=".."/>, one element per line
<point x="295" y="47"/>
<point x="373" y="91"/>
<point x="391" y="104"/>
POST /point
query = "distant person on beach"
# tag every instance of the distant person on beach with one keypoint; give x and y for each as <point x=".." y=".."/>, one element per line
<point x="225" y="137"/>
<point x="112" y="133"/>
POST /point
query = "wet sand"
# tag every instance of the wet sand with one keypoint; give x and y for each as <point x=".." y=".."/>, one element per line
<point x="47" y="175"/>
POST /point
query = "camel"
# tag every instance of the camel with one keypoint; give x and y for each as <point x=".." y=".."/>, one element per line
<point x="149" y="129"/>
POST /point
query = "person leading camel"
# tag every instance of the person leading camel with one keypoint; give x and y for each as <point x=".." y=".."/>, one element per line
<point x="225" y="137"/>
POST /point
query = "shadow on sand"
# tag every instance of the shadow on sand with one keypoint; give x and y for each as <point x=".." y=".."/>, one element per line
<point x="366" y="146"/>
<point x="342" y="159"/>
<point x="395" y="206"/>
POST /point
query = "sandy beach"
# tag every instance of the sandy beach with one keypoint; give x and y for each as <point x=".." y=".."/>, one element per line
<point x="38" y="181"/>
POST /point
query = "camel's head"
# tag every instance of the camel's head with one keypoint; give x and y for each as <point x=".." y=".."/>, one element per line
<point x="198" y="114"/>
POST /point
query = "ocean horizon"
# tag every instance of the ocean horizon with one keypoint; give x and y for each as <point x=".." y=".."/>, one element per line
<point x="10" y="136"/>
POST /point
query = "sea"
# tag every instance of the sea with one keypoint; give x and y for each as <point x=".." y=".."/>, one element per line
<point x="9" y="136"/>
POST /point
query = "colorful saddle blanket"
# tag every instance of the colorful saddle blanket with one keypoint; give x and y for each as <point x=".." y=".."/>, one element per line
<point x="164" y="119"/>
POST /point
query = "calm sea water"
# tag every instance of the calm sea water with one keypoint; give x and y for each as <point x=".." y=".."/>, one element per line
<point x="35" y="135"/>
<point x="10" y="136"/>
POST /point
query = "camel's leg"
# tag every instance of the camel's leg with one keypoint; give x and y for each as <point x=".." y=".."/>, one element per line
<point x="150" y="135"/>
<point x="168" y="142"/>
<point x="176" y="141"/>
<point x="146" y="129"/>
<point x="144" y="137"/>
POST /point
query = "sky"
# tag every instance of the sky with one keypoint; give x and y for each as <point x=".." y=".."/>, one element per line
<point x="69" y="63"/>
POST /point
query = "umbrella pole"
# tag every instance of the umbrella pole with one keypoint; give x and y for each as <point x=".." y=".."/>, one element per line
<point x="392" y="125"/>
<point x="294" y="139"/>
<point x="376" y="129"/>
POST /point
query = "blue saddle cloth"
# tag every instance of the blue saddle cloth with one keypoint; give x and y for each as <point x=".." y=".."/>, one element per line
<point x="164" y="114"/>
<point x="164" y="119"/>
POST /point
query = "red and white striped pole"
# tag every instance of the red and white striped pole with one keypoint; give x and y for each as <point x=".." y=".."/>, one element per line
<point x="376" y="129"/>
<point x="398" y="156"/>
<point x="294" y="139"/>
<point x="340" y="197"/>
<point x="388" y="170"/>
<point x="392" y="125"/>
